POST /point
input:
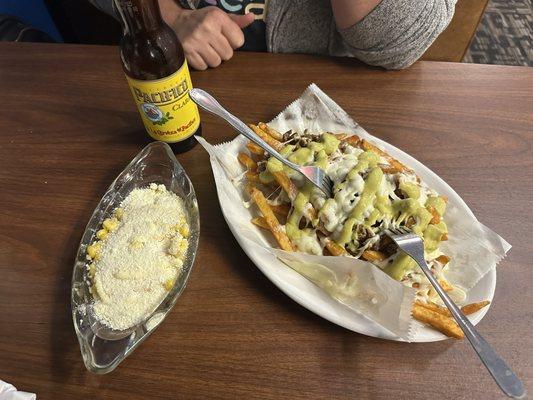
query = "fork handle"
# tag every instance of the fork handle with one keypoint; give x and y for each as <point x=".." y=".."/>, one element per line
<point x="508" y="382"/>
<point x="209" y="103"/>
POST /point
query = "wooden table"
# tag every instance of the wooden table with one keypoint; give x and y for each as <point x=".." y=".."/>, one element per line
<point x="68" y="126"/>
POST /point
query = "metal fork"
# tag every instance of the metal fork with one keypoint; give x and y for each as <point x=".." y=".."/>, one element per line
<point x="314" y="175"/>
<point x="508" y="382"/>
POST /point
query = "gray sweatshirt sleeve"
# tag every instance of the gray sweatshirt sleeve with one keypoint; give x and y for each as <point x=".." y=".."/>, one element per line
<point x="397" y="32"/>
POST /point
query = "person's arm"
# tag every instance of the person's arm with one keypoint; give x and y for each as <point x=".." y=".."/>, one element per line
<point x="393" y="33"/>
<point x="208" y="35"/>
<point x="350" y="12"/>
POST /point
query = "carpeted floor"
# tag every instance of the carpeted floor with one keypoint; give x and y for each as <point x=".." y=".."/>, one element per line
<point x="504" y="35"/>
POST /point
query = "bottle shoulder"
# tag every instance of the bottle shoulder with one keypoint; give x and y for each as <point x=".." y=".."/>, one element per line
<point x="151" y="55"/>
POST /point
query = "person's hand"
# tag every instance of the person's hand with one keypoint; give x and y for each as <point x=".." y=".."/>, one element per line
<point x="208" y="35"/>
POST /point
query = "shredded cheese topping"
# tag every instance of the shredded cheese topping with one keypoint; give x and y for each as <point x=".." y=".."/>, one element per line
<point x="139" y="256"/>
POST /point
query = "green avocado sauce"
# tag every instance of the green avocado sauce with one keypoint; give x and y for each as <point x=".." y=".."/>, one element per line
<point x="366" y="199"/>
<point x="367" y="159"/>
<point x="330" y="143"/>
<point x="274" y="165"/>
<point x="438" y="203"/>
<point x="398" y="268"/>
<point x="433" y="236"/>
<point x="381" y="205"/>
<point x="300" y="203"/>
<point x="410" y="190"/>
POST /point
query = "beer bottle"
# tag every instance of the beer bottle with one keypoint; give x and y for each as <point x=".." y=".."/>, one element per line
<point x="157" y="74"/>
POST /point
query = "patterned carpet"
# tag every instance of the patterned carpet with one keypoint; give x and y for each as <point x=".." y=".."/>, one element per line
<point x="504" y="35"/>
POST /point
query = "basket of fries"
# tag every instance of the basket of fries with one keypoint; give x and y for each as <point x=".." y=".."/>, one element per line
<point x="333" y="255"/>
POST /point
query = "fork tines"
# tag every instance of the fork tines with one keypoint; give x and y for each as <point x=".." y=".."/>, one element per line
<point x="327" y="183"/>
<point x="398" y="231"/>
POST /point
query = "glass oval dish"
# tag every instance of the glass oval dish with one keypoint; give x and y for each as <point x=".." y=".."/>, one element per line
<point x="103" y="348"/>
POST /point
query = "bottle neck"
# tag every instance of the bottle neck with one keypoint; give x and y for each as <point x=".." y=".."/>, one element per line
<point x="139" y="15"/>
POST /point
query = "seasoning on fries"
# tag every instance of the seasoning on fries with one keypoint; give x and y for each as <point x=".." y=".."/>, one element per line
<point x="438" y="321"/>
<point x="372" y="193"/>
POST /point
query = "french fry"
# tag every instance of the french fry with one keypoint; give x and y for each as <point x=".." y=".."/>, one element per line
<point x="366" y="145"/>
<point x="252" y="177"/>
<point x="394" y="166"/>
<point x="435" y="307"/>
<point x="435" y="217"/>
<point x="340" y="136"/>
<point x="398" y="166"/>
<point x="281" y="209"/>
<point x="389" y="169"/>
<point x="266" y="137"/>
<point x="246" y="160"/>
<point x="255" y="149"/>
<point x="445" y="285"/>
<point x="270" y="131"/>
<point x="443" y="259"/>
<point x="438" y="321"/>
<point x="273" y="223"/>
<point x="286" y="184"/>
<point x="335" y="249"/>
<point x="467" y="310"/>
<point x="352" y="140"/>
<point x="474" y="307"/>
<point x="260" y="222"/>
<point x="373" y="255"/>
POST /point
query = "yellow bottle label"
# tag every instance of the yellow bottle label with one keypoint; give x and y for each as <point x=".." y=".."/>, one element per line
<point x="166" y="109"/>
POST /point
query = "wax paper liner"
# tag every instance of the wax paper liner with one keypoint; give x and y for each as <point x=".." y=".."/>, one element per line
<point x="358" y="285"/>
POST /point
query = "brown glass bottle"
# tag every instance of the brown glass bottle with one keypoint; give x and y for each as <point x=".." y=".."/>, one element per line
<point x="158" y="75"/>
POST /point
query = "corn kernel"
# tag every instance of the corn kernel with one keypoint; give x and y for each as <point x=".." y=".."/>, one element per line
<point x="119" y="212"/>
<point x="184" y="230"/>
<point x="169" y="284"/>
<point x="93" y="250"/>
<point x="102" y="234"/>
<point x="110" y="224"/>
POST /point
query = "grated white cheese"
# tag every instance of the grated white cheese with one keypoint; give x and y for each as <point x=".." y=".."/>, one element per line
<point x="139" y="261"/>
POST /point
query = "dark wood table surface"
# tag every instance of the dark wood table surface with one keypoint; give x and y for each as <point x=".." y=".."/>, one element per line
<point x="68" y="126"/>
